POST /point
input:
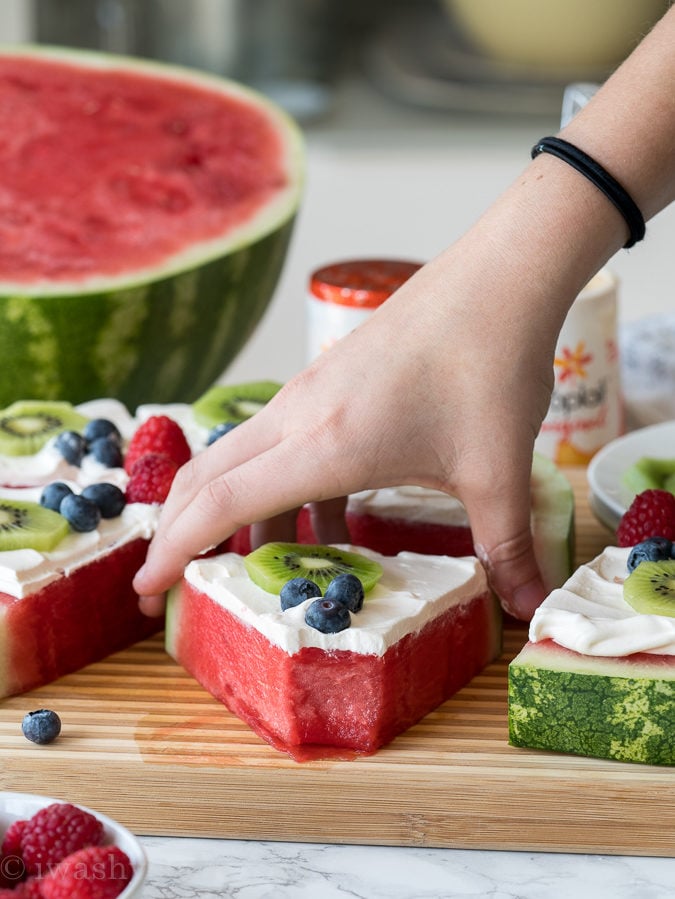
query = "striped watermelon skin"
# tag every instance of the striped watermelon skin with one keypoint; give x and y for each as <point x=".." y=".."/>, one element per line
<point x="618" y="708"/>
<point x="204" y="315"/>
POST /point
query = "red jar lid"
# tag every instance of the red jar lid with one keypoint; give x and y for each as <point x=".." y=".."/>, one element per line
<point x="364" y="283"/>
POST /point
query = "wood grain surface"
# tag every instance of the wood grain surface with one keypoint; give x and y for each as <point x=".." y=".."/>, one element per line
<point x="144" y="743"/>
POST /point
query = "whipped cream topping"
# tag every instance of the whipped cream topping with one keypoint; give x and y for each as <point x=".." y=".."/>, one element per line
<point x="25" y="571"/>
<point x="420" y="504"/>
<point x="589" y="615"/>
<point x="413" y="590"/>
<point x="48" y="464"/>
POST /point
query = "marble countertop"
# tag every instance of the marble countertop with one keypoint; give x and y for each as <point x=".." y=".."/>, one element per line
<point x="207" y="868"/>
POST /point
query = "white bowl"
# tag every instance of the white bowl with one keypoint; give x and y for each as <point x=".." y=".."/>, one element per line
<point x="19" y="806"/>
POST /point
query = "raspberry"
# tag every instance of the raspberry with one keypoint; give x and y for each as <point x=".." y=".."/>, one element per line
<point x="11" y="843"/>
<point x="651" y="514"/>
<point x="29" y="889"/>
<point x="159" y="434"/>
<point x="151" y="479"/>
<point x="55" y="832"/>
<point x="100" y="872"/>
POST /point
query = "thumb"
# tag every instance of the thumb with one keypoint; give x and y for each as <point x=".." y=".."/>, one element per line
<point x="503" y="542"/>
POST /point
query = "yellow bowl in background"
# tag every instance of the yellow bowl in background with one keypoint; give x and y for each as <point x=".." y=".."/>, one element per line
<point x="556" y="38"/>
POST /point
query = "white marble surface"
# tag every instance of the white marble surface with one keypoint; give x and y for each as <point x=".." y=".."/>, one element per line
<point x="206" y="869"/>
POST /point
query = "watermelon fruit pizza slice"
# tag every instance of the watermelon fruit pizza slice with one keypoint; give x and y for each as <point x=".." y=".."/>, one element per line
<point x="327" y="651"/>
<point x="597" y="676"/>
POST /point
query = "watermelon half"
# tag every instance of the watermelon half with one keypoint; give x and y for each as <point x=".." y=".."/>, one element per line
<point x="145" y="214"/>
<point x="611" y="708"/>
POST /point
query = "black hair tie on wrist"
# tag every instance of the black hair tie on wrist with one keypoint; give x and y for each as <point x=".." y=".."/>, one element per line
<point x="595" y="173"/>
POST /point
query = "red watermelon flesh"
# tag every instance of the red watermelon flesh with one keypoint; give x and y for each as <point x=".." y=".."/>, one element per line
<point x="135" y="168"/>
<point x="391" y="536"/>
<point x="316" y="703"/>
<point x="72" y="621"/>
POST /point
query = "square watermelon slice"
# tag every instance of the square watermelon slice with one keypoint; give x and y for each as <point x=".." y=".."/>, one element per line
<point x="65" y="607"/>
<point x="425" y="630"/>
<point x="596" y="678"/>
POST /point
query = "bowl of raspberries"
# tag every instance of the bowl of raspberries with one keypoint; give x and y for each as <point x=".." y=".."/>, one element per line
<point x="50" y="849"/>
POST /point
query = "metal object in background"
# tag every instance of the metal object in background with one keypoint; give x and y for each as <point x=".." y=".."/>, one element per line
<point x="288" y="49"/>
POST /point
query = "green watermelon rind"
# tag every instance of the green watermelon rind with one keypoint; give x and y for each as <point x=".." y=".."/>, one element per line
<point x="78" y="341"/>
<point x="552" y="521"/>
<point x="603" y="708"/>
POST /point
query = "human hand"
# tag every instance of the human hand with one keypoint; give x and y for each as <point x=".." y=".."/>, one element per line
<point x="423" y="393"/>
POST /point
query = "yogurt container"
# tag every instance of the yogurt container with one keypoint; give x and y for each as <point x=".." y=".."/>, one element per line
<point x="586" y="409"/>
<point x="344" y="294"/>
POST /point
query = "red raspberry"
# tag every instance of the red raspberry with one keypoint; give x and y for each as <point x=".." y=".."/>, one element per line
<point x="55" y="832"/>
<point x="651" y="514"/>
<point x="11" y="842"/>
<point x="100" y="872"/>
<point x="159" y="434"/>
<point x="151" y="479"/>
<point x="29" y="889"/>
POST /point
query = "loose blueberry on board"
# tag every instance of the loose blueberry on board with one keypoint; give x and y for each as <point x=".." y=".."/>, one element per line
<point x="81" y="513"/>
<point x="72" y="446"/>
<point x="41" y="726"/>
<point x="219" y="431"/>
<point x="107" y="451"/>
<point x="108" y="497"/>
<point x="654" y="549"/>
<point x="53" y="495"/>
<point x="348" y="590"/>
<point x="328" y="616"/>
<point x="101" y="427"/>
<point x="296" y="591"/>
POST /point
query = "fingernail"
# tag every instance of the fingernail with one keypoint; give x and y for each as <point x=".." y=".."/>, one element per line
<point x="524" y="600"/>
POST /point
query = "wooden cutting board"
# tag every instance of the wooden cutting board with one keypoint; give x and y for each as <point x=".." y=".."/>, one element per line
<point x="144" y="743"/>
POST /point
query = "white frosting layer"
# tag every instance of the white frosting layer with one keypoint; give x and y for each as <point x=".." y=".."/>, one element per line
<point x="25" y="571"/>
<point x="413" y="590"/>
<point x="49" y="465"/>
<point x="589" y="615"/>
<point x="419" y="504"/>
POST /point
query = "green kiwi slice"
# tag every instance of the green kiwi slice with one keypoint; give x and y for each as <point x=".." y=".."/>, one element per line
<point x="272" y="564"/>
<point x="233" y="404"/>
<point x="27" y="425"/>
<point x="649" y="473"/>
<point x="27" y="525"/>
<point x="650" y="588"/>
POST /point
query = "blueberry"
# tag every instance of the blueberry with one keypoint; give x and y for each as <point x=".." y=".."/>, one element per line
<point x="219" y="431"/>
<point x="42" y="726"/>
<point x="297" y="590"/>
<point x="101" y="427"/>
<point x="655" y="549"/>
<point x="107" y="451"/>
<point x="53" y="494"/>
<point x="72" y="446"/>
<point x="328" y="616"/>
<point x="81" y="513"/>
<point x="347" y="589"/>
<point x="108" y="497"/>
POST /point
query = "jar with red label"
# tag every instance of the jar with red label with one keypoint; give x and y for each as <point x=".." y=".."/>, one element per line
<point x="344" y="294"/>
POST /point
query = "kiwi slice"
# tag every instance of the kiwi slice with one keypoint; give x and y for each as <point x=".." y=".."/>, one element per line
<point x="27" y="425"/>
<point x="649" y="473"/>
<point x="650" y="588"/>
<point x="272" y="564"/>
<point x="27" y="525"/>
<point x="233" y="404"/>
